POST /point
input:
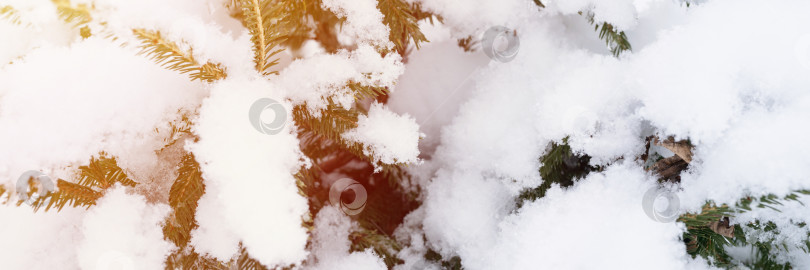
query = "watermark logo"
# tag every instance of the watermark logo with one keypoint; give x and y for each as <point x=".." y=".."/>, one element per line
<point x="500" y="44"/>
<point x="661" y="205"/>
<point x="267" y="116"/>
<point x="45" y="182"/>
<point x="114" y="260"/>
<point x="349" y="195"/>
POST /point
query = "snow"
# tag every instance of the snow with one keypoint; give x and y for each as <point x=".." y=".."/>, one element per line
<point x="331" y="244"/>
<point x="364" y="22"/>
<point x="730" y="76"/>
<point x="325" y="75"/>
<point x="388" y="137"/>
<point x="123" y="232"/>
<point x="252" y="174"/>
<point x="54" y="110"/>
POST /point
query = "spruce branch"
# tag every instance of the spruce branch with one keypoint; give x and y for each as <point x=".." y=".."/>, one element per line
<point x="100" y="174"/>
<point x="709" y="232"/>
<point x="245" y="262"/>
<point x="332" y="122"/>
<point x="10" y="14"/>
<point x="74" y="195"/>
<point x="559" y="165"/>
<point x="169" y="55"/>
<point x="615" y="40"/>
<point x="191" y="259"/>
<point x="78" y="15"/>
<point x="260" y="18"/>
<point x="362" y="91"/>
<point x="183" y="197"/>
<point x="382" y="244"/>
<point x="103" y="173"/>
<point x="402" y="24"/>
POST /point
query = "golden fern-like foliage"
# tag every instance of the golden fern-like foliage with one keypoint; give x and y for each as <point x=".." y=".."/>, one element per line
<point x="100" y="174"/>
<point x="10" y="14"/>
<point x="191" y="259"/>
<point x="362" y="91"/>
<point x="245" y="262"/>
<point x="169" y="55"/>
<point x="402" y="24"/>
<point x="78" y="14"/>
<point x="71" y="194"/>
<point x="258" y="16"/>
<point x="183" y="196"/>
<point x="383" y="245"/>
<point x="103" y="173"/>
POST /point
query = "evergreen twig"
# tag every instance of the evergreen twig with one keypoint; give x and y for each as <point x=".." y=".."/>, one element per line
<point x="402" y="24"/>
<point x="169" y="55"/>
<point x="10" y="14"/>
<point x="616" y="40"/>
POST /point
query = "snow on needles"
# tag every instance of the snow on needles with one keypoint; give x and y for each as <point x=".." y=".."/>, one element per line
<point x="364" y="22"/>
<point x="390" y="138"/>
<point x="729" y="75"/>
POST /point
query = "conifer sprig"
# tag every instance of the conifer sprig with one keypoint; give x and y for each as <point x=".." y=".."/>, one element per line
<point x="364" y="91"/>
<point x="616" y="40"/>
<point x="169" y="55"/>
<point x="71" y="194"/>
<point x="191" y="259"/>
<point x="100" y="174"/>
<point x="183" y="197"/>
<point x="10" y="14"/>
<point x="78" y="14"/>
<point x="709" y="232"/>
<point x="260" y="18"/>
<point x="402" y="24"/>
<point x="103" y="173"/>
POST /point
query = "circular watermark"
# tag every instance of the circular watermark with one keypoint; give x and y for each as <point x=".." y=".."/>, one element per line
<point x="114" y="260"/>
<point x="348" y="195"/>
<point x="22" y="188"/>
<point x="267" y="116"/>
<point x="500" y="43"/>
<point x="661" y="205"/>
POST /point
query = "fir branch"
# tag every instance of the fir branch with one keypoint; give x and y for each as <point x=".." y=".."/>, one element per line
<point x="178" y="129"/>
<point x="330" y="125"/>
<point x="383" y="245"/>
<point x="103" y="173"/>
<point x="190" y="259"/>
<point x="78" y="15"/>
<point x="10" y="14"/>
<point x="245" y="262"/>
<point x="615" y="40"/>
<point x="332" y="122"/>
<point x="68" y="193"/>
<point x="703" y="238"/>
<point x="559" y="165"/>
<point x="169" y="55"/>
<point x="183" y="197"/>
<point x="402" y="24"/>
<point x="260" y="16"/>
<point x="364" y="91"/>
